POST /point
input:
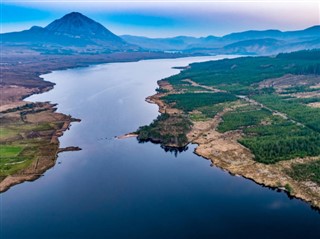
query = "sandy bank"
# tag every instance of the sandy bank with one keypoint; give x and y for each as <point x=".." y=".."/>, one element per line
<point x="125" y="136"/>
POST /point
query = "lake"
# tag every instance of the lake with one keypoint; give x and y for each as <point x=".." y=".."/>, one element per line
<point x="123" y="189"/>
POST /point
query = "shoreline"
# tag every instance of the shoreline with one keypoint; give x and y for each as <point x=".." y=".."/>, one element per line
<point x="47" y="149"/>
<point x="248" y="168"/>
<point x="126" y="136"/>
<point x="224" y="152"/>
<point x="15" y="92"/>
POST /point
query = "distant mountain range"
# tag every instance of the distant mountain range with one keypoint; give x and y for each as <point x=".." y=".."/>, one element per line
<point x="248" y="42"/>
<point x="77" y="34"/>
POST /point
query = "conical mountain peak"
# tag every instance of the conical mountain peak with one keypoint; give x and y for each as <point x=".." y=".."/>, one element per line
<point x="73" y="32"/>
<point x="76" y="24"/>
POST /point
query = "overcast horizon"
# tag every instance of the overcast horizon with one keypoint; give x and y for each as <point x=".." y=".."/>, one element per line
<point x="167" y="18"/>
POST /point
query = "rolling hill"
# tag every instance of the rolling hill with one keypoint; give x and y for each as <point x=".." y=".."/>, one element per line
<point x="248" y="42"/>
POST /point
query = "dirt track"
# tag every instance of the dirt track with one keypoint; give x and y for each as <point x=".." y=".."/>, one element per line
<point x="225" y="152"/>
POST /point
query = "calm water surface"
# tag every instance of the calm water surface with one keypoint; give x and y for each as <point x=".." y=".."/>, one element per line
<point x="123" y="189"/>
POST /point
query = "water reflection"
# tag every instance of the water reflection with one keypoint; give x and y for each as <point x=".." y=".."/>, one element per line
<point x="122" y="189"/>
<point x="174" y="150"/>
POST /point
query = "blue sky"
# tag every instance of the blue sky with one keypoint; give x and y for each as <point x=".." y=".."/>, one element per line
<point x="167" y="18"/>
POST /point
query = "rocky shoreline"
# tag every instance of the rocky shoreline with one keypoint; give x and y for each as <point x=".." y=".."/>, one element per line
<point x="224" y="151"/>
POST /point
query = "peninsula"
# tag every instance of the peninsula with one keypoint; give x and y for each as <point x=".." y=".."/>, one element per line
<point x="257" y="117"/>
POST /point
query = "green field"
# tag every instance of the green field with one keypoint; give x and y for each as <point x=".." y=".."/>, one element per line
<point x="22" y="142"/>
<point x="12" y="159"/>
<point x="8" y="151"/>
